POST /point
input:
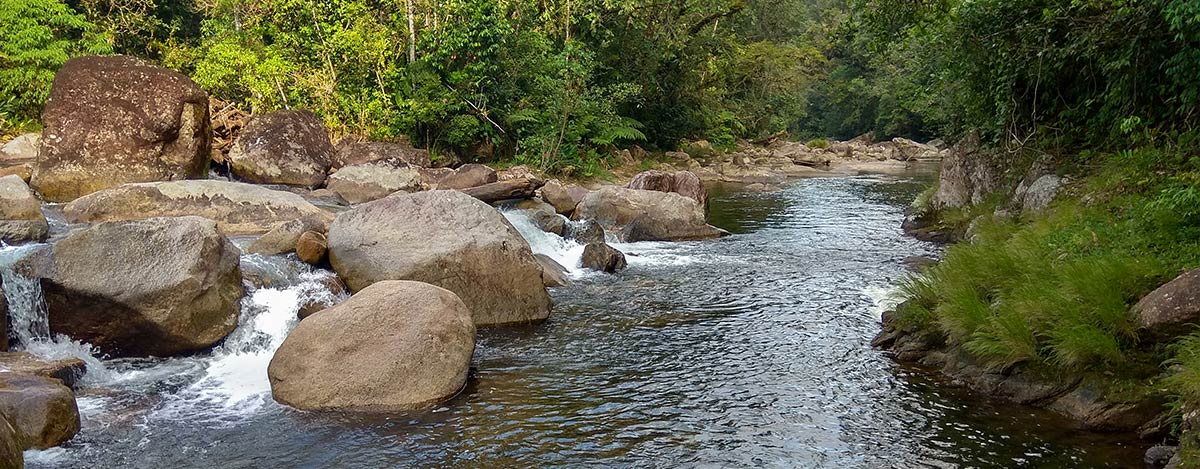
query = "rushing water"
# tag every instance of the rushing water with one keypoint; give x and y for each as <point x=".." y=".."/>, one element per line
<point x="752" y="350"/>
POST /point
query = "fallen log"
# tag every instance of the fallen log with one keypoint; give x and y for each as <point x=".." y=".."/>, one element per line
<point x="521" y="188"/>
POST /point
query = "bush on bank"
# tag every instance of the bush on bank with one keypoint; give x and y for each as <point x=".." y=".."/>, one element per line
<point x="1053" y="290"/>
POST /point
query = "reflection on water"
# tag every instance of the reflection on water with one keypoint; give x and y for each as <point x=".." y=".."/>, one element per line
<point x="752" y="350"/>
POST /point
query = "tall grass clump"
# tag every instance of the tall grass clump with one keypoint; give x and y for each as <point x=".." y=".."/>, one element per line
<point x="1055" y="288"/>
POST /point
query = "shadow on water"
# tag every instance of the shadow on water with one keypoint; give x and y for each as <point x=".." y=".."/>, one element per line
<point x="752" y="350"/>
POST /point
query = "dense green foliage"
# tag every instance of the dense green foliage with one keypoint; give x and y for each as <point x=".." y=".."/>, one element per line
<point x="36" y="38"/>
<point x="558" y="84"/>
<point x="562" y="83"/>
<point x="1068" y="72"/>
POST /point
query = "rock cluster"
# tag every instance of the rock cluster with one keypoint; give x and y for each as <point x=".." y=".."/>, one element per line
<point x="146" y="264"/>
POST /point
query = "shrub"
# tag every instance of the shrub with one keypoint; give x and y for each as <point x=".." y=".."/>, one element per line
<point x="819" y="143"/>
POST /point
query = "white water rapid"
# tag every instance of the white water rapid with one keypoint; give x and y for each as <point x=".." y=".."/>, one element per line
<point x="229" y="381"/>
<point x="564" y="251"/>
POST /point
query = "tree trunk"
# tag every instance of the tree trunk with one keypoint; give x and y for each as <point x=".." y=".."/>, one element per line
<point x="523" y="188"/>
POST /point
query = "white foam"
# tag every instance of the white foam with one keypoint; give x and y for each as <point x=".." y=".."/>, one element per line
<point x="235" y="378"/>
<point x="883" y="298"/>
<point x="658" y="253"/>
<point x="564" y="251"/>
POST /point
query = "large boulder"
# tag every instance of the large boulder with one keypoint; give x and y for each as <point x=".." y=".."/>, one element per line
<point x="516" y="172"/>
<point x="158" y="287"/>
<point x="1040" y="193"/>
<point x="908" y="150"/>
<point x="445" y="238"/>
<point x="21" y="216"/>
<point x="67" y="370"/>
<point x="12" y="455"/>
<point x="556" y="194"/>
<point x="1170" y="310"/>
<point x="684" y="183"/>
<point x="602" y="257"/>
<point x="283" y="147"/>
<point x="239" y="208"/>
<point x="646" y="215"/>
<point x="41" y="410"/>
<point x="367" y="182"/>
<point x="968" y="175"/>
<point x="467" y="176"/>
<point x="348" y="153"/>
<point x="393" y="346"/>
<point x="800" y="154"/>
<point x="116" y="120"/>
<point x="311" y="247"/>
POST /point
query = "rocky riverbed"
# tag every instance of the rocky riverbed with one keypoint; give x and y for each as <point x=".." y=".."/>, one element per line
<point x="158" y="277"/>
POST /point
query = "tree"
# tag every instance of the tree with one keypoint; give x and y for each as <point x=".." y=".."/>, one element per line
<point x="36" y="38"/>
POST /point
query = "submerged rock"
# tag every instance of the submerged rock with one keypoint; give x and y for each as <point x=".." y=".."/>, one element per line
<point x="1170" y="310"/>
<point x="332" y="291"/>
<point x="918" y="263"/>
<point x="393" y="346"/>
<point x="21" y="216"/>
<point x="602" y="257"/>
<point x="41" y="410"/>
<point x="116" y="120"/>
<point x="448" y="239"/>
<point x="282" y="147"/>
<point x="238" y="208"/>
<point x="155" y="287"/>
<point x="646" y="215"/>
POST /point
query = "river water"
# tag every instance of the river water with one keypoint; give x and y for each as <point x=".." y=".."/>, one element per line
<point x="752" y="350"/>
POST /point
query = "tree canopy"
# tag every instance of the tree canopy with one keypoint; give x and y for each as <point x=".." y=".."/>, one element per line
<point x="561" y="83"/>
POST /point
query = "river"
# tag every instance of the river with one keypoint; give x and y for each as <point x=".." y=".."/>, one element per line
<point x="752" y="350"/>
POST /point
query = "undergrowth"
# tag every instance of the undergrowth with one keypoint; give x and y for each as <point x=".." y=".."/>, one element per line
<point x="1053" y="290"/>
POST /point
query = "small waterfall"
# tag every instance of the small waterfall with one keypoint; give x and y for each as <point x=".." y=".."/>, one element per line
<point x="26" y="306"/>
<point x="234" y="380"/>
<point x="29" y="319"/>
<point x="564" y="251"/>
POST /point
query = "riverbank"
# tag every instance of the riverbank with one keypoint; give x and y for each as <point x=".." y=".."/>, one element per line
<point x="1064" y="289"/>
